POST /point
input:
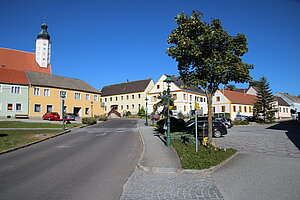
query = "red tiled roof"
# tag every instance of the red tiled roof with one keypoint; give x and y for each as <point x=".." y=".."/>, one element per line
<point x="239" y="98"/>
<point x="13" y="76"/>
<point x="20" y="60"/>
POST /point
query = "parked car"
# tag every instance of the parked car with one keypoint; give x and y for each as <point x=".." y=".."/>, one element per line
<point x="51" y="116"/>
<point x="219" y="129"/>
<point x="70" y="116"/>
<point x="199" y="118"/>
<point x="225" y="121"/>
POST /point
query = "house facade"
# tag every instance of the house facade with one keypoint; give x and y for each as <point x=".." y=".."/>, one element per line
<point x="46" y="92"/>
<point x="185" y="98"/>
<point x="226" y="102"/>
<point x="124" y="97"/>
<point x="13" y="93"/>
<point x="292" y="100"/>
<point x="282" y="108"/>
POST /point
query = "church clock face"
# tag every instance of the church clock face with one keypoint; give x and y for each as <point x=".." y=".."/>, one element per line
<point x="42" y="52"/>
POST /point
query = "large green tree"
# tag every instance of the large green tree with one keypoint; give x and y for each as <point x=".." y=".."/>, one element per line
<point x="207" y="55"/>
<point x="263" y="105"/>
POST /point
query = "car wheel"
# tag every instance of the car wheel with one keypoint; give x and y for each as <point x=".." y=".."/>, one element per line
<point x="217" y="134"/>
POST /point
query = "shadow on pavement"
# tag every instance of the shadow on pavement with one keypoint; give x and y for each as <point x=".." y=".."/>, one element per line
<point x="292" y="130"/>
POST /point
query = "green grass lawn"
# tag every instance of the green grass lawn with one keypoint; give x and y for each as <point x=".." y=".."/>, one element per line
<point x="20" y="124"/>
<point x="205" y="158"/>
<point x="14" y="138"/>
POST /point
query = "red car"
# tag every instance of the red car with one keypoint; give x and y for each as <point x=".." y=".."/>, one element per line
<point x="51" y="116"/>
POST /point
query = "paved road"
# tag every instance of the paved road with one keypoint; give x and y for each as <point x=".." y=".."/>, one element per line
<point x="267" y="166"/>
<point x="91" y="163"/>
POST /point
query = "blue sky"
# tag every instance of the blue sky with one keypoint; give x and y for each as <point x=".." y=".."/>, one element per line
<point x="109" y="42"/>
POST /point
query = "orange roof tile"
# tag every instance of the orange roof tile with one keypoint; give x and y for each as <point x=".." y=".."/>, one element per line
<point x="13" y="76"/>
<point x="20" y="60"/>
<point x="239" y="98"/>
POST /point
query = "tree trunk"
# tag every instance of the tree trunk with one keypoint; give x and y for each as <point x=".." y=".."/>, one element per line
<point x="209" y="105"/>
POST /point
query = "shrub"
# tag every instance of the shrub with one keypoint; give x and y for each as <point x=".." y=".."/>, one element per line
<point x="142" y="111"/>
<point x="89" y="120"/>
<point x="127" y="113"/>
<point x="102" y="118"/>
<point x="180" y="115"/>
<point x="241" y="123"/>
<point x="176" y="125"/>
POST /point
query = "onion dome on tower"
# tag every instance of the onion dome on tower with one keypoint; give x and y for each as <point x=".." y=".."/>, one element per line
<point x="44" y="33"/>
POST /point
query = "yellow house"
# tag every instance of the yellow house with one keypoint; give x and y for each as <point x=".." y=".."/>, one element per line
<point x="46" y="92"/>
<point x="124" y="97"/>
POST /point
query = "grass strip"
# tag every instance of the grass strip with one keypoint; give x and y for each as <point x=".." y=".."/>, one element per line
<point x="20" y="124"/>
<point x="14" y="138"/>
<point x="205" y="158"/>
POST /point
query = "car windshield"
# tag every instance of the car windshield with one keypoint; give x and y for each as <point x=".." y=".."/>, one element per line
<point x="54" y="113"/>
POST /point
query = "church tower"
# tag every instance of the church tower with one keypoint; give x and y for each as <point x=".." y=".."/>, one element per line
<point x="43" y="47"/>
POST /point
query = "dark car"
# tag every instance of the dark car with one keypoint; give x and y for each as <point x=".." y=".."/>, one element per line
<point x="225" y="121"/>
<point x="69" y="116"/>
<point x="219" y="129"/>
<point x="51" y="116"/>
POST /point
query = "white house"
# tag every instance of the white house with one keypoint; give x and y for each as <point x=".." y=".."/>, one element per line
<point x="233" y="103"/>
<point x="185" y="98"/>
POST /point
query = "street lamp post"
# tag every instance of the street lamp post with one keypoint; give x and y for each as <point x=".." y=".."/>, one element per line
<point x="63" y="96"/>
<point x="168" y="81"/>
<point x="146" y="124"/>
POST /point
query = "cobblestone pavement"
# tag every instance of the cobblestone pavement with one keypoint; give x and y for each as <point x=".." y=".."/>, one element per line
<point x="259" y="139"/>
<point x="170" y="186"/>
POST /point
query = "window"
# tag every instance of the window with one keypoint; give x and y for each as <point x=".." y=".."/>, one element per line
<point x="201" y="99"/>
<point x="184" y="108"/>
<point x="95" y="97"/>
<point x="245" y="109"/>
<point x="132" y="96"/>
<point x="15" y="89"/>
<point x="127" y="97"/>
<point x="184" y="96"/>
<point x="87" y="97"/>
<point x="279" y="109"/>
<point x="63" y="94"/>
<point x="223" y="108"/>
<point x="191" y="99"/>
<point x="287" y="110"/>
<point x="214" y="109"/>
<point x="132" y="106"/>
<point x="174" y="96"/>
<point x="18" y="107"/>
<point x="37" y="107"/>
<point x="158" y="87"/>
<point x="154" y="98"/>
<point x="121" y="107"/>
<point x="36" y="92"/>
<point x="122" y="97"/>
<point x="240" y="109"/>
<point x="250" y="109"/>
<point x="139" y="106"/>
<point x="139" y="96"/>
<point x="46" y="92"/>
<point x="9" y="106"/>
<point x="77" y="96"/>
<point x="105" y="99"/>
<point x="110" y="98"/>
<point x="116" y="98"/>
<point x="218" y="98"/>
<point x="87" y="111"/>
<point x="174" y="107"/>
<point x="204" y="99"/>
<point x="49" y="108"/>
<point x="127" y="107"/>
<point x="234" y="108"/>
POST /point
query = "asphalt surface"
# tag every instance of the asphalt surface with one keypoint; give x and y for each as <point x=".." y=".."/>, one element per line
<point x="90" y="163"/>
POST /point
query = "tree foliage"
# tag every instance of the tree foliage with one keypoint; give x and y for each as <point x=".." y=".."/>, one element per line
<point x="207" y="55"/>
<point x="263" y="105"/>
<point x="163" y="101"/>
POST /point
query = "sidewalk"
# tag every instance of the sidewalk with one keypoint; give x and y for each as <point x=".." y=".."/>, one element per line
<point x="159" y="174"/>
<point x="156" y="157"/>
